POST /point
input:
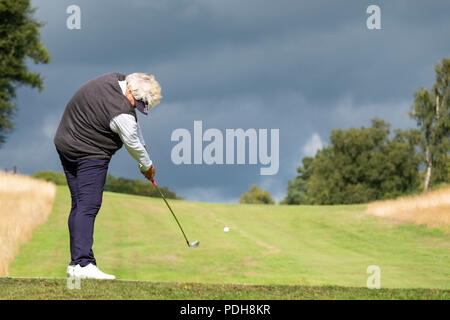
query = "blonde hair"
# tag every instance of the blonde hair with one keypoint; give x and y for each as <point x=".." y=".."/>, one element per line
<point x="144" y="87"/>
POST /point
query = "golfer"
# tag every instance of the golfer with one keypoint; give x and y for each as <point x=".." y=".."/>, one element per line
<point x="97" y="121"/>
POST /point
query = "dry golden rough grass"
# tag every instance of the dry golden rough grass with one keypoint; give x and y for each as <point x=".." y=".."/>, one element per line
<point x="25" y="203"/>
<point x="431" y="209"/>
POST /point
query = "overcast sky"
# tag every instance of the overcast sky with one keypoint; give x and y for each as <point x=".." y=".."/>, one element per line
<point x="303" y="67"/>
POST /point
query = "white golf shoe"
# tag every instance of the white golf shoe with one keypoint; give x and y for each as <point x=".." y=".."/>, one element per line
<point x="70" y="270"/>
<point x="91" y="272"/>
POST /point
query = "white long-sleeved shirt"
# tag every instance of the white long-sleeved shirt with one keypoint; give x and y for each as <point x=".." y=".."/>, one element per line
<point x="126" y="126"/>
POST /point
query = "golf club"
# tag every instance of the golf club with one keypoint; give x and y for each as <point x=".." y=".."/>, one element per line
<point x="191" y="245"/>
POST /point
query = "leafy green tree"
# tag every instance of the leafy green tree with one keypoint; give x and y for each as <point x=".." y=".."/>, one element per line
<point x="402" y="164"/>
<point x="341" y="172"/>
<point x="441" y="91"/>
<point x="296" y="191"/>
<point x="256" y="196"/>
<point x="360" y="165"/>
<point x="19" y="41"/>
<point x="431" y="111"/>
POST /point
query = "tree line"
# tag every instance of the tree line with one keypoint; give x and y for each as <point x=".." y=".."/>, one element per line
<point x="113" y="184"/>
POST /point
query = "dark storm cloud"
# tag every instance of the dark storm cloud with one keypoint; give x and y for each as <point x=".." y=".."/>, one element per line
<point x="304" y="67"/>
<point x="254" y="45"/>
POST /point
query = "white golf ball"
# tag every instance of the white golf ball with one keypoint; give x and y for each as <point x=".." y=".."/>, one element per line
<point x="226" y="229"/>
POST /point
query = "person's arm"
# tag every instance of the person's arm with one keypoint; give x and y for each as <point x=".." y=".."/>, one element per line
<point x="141" y="136"/>
<point x="126" y="127"/>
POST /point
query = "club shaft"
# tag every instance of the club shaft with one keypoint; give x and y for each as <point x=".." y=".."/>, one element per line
<point x="168" y="206"/>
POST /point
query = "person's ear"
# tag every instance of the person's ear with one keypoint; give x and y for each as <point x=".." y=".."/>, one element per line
<point x="129" y="96"/>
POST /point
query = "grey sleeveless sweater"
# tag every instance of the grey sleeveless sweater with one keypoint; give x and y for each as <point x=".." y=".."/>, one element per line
<point x="84" y="130"/>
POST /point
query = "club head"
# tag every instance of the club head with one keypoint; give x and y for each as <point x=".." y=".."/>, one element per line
<point x="194" y="244"/>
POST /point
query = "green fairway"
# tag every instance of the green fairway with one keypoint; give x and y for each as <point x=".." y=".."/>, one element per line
<point x="136" y="238"/>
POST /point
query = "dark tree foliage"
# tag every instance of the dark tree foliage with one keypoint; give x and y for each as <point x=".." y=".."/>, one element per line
<point x="256" y="196"/>
<point x="360" y="165"/>
<point x="431" y="111"/>
<point x="113" y="184"/>
<point x="137" y="187"/>
<point x="297" y="189"/>
<point x="19" y="41"/>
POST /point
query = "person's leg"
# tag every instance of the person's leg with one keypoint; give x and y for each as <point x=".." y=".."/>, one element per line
<point x="70" y="167"/>
<point x="91" y="177"/>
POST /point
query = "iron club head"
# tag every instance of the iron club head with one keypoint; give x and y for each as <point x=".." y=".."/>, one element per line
<point x="194" y="244"/>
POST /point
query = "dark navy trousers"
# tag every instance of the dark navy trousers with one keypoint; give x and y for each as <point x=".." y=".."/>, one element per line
<point x="86" y="179"/>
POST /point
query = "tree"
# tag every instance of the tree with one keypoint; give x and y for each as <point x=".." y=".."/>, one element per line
<point x="441" y="91"/>
<point x="296" y="191"/>
<point x="359" y="165"/>
<point x="19" y="41"/>
<point x="256" y="196"/>
<point x="431" y="112"/>
<point x="113" y="184"/>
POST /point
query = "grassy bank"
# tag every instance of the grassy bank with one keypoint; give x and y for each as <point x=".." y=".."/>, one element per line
<point x="91" y="289"/>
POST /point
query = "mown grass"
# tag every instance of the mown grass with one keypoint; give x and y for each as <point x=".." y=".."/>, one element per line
<point x="136" y="238"/>
<point x="54" y="289"/>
